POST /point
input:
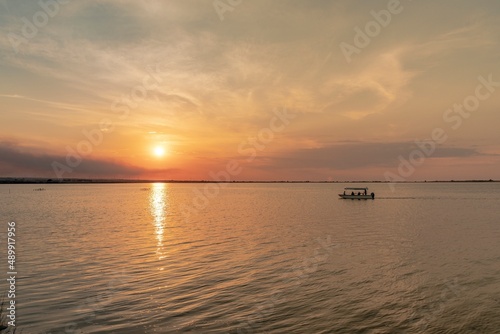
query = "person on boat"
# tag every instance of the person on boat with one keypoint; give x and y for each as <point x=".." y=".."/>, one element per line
<point x="365" y="191"/>
<point x="359" y="193"/>
<point x="352" y="193"/>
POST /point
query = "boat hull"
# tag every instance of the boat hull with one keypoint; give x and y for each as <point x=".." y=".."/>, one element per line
<point x="356" y="196"/>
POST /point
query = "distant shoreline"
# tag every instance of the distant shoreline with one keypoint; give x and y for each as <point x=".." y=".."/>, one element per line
<point x="26" y="180"/>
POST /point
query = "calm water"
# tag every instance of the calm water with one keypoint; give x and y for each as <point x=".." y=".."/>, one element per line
<point x="254" y="258"/>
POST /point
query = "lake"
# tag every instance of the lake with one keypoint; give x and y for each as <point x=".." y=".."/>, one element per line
<point x="254" y="258"/>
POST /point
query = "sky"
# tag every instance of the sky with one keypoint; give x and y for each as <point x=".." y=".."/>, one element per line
<point x="250" y="89"/>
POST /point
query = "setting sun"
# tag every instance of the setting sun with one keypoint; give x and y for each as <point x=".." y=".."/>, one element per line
<point x="159" y="151"/>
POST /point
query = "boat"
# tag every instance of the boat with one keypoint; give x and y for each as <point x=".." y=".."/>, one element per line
<point x="357" y="193"/>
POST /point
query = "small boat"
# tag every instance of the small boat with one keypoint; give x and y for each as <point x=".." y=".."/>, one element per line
<point x="357" y="193"/>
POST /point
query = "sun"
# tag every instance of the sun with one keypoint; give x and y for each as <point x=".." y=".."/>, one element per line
<point x="159" y="151"/>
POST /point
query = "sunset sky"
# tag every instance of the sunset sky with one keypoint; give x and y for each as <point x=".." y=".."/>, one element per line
<point x="277" y="90"/>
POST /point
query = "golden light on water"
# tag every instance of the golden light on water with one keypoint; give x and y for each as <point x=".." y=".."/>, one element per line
<point x="159" y="206"/>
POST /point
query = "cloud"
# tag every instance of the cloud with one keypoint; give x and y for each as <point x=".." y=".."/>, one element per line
<point x="354" y="155"/>
<point x="22" y="161"/>
<point x="220" y="80"/>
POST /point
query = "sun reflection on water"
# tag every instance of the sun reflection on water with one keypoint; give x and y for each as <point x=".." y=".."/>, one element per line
<point x="159" y="205"/>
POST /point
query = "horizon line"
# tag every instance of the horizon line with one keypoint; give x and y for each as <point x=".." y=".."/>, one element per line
<point x="44" y="180"/>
